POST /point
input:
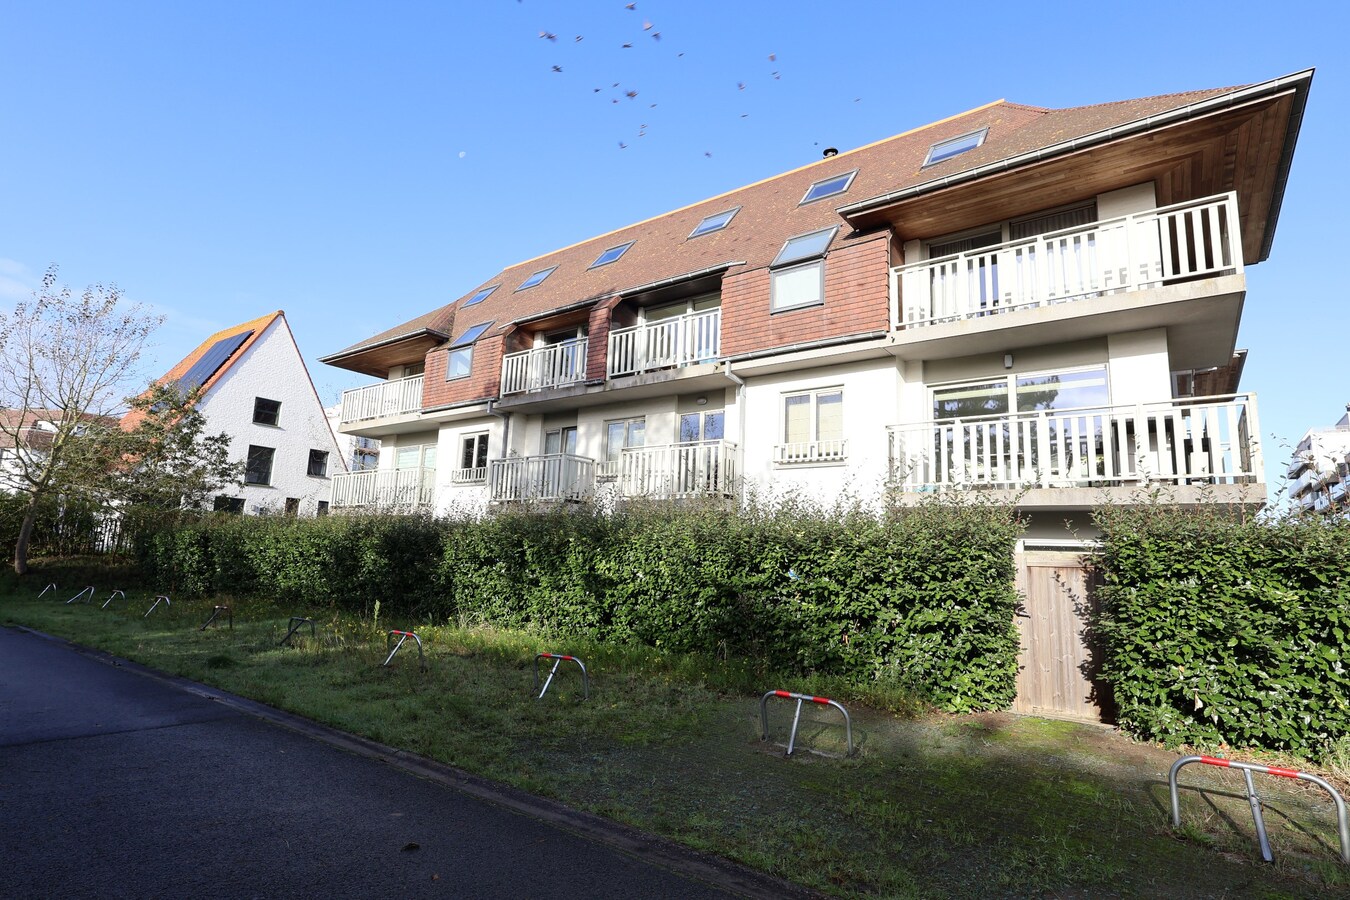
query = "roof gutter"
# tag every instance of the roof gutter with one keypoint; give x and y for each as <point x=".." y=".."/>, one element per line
<point x="1298" y="81"/>
<point x="806" y="345"/>
<point x="676" y="279"/>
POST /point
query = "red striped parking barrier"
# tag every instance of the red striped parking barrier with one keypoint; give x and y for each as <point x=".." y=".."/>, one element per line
<point x="403" y="636"/>
<point x="1255" y="801"/>
<point x="558" y="660"/>
<point x="801" y="698"/>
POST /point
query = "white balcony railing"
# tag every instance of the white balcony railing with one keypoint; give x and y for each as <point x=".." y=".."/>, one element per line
<point x="1129" y="253"/>
<point x="555" y="476"/>
<point x="473" y="475"/>
<point x="1188" y="441"/>
<point x="388" y="398"/>
<point x="545" y="367"/>
<point x="810" y="452"/>
<point x="670" y="343"/>
<point x="411" y="488"/>
<point x="700" y="468"/>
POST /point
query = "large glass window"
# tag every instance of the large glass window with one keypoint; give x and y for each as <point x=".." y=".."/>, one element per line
<point x="1022" y="394"/>
<point x="561" y="440"/>
<point x="813" y="426"/>
<point x="706" y="426"/>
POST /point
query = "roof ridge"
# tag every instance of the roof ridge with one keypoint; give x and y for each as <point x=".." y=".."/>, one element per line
<point x="743" y="187"/>
<point x="1233" y="87"/>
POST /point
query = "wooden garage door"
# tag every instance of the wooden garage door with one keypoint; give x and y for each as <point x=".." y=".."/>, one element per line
<point x="1057" y="667"/>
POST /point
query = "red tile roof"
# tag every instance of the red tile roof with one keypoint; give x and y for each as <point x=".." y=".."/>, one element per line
<point x="770" y="213"/>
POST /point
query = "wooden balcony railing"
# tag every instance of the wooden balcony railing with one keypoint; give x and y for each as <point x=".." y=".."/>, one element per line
<point x="545" y="367"/>
<point x="1129" y="253"/>
<point x="388" y="398"/>
<point x="1189" y="441"/>
<point x="669" y="343"/>
<point x="412" y="488"/>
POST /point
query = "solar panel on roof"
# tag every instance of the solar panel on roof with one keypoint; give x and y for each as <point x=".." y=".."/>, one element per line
<point x="212" y="360"/>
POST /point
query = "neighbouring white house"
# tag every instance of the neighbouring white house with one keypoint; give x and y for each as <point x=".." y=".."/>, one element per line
<point x="1320" y="467"/>
<point x="361" y="453"/>
<point x="1029" y="304"/>
<point x="256" y="388"/>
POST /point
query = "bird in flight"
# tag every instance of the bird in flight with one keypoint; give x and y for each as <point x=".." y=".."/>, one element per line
<point x="557" y="68"/>
<point x="549" y="35"/>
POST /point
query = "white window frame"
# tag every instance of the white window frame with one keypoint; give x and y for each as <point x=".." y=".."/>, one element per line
<point x="627" y="422"/>
<point x="786" y="264"/>
<point x="1010" y="383"/>
<point x="816" y="450"/>
<point x="848" y="183"/>
<point x="979" y="135"/>
<point x="475" y="473"/>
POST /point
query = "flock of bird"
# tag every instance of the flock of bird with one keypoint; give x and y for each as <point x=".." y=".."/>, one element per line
<point x="619" y="93"/>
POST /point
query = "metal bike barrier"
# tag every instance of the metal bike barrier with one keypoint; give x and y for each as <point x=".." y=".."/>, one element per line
<point x="51" y="587"/>
<point x="796" y="718"/>
<point x="159" y="598"/>
<point x="216" y="612"/>
<point x="559" y="660"/>
<point x="295" y="623"/>
<point x="89" y="592"/>
<point x="403" y="636"/>
<point x="1255" y="801"/>
<point x="111" y="597"/>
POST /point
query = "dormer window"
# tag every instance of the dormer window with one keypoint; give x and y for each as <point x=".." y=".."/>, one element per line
<point x="955" y="146"/>
<point x="611" y="255"/>
<point x="536" y="278"/>
<point x="481" y="295"/>
<point x="459" y="362"/>
<point x="829" y="187"/>
<point x="715" y="222"/>
<point x="797" y="276"/>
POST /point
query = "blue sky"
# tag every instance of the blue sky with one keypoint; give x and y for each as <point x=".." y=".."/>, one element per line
<point x="358" y="164"/>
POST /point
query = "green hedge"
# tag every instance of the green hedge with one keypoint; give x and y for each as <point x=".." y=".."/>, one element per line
<point x="922" y="596"/>
<point x="1217" y="629"/>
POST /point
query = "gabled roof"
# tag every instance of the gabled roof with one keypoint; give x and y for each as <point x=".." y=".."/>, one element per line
<point x="770" y="211"/>
<point x="254" y="328"/>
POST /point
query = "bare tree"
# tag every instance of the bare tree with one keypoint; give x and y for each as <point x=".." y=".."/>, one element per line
<point x="65" y="364"/>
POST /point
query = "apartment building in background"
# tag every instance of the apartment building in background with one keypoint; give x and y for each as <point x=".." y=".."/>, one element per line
<point x="1320" y="468"/>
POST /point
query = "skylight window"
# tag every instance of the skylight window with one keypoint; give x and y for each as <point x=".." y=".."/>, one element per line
<point x="536" y="278"/>
<point x="805" y="246"/>
<point x="715" y="222"/>
<point x="481" y="295"/>
<point x="829" y="187"/>
<point x="955" y="146"/>
<point x="471" y="335"/>
<point x="611" y="255"/>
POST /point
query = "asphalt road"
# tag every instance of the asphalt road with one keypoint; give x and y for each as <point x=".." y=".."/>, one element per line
<point x="117" y="784"/>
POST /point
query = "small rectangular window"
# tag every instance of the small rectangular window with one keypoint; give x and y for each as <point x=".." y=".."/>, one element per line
<point x="813" y="427"/>
<point x="292" y="506"/>
<point x="473" y="457"/>
<point x="258" y="469"/>
<point x="266" y="412"/>
<point x="828" y="187"/>
<point x="536" y="278"/>
<point x="318" y="463"/>
<point x="715" y="222"/>
<point x="322" y="508"/>
<point x="797" y="286"/>
<point x="233" y="505"/>
<point x="624" y="433"/>
<point x="955" y="146"/>
<point x="480" y="296"/>
<point x="611" y="255"/>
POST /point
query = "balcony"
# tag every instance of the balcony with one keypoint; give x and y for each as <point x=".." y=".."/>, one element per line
<point x="703" y="468"/>
<point x="401" y="489"/>
<point x="552" y="477"/>
<point x="667" y="344"/>
<point x="380" y="401"/>
<point x="1192" y="441"/>
<point x="803" y="452"/>
<point x="1164" y="246"/>
<point x="545" y="367"/>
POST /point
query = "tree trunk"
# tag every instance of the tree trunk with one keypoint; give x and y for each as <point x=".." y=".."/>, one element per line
<point x="25" y="536"/>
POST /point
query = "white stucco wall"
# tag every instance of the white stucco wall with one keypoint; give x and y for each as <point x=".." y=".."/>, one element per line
<point x="273" y="368"/>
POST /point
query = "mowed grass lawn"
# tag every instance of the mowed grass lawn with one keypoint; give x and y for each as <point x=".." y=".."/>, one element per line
<point x="930" y="805"/>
